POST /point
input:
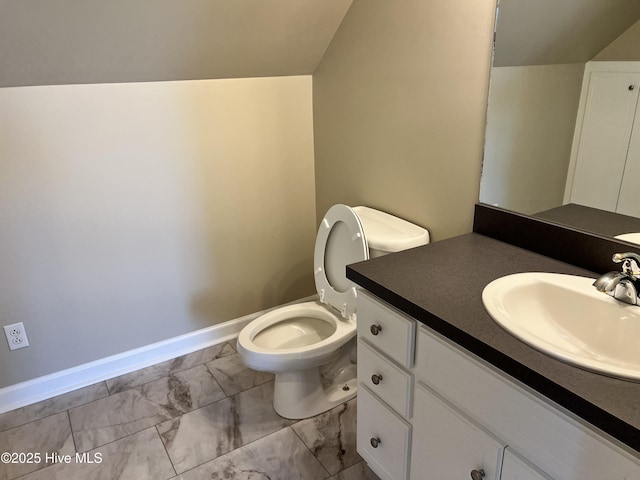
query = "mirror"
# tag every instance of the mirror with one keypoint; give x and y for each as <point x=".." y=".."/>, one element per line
<point x="540" y="57"/>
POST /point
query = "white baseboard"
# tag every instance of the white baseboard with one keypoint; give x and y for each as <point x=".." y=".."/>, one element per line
<point x="48" y="386"/>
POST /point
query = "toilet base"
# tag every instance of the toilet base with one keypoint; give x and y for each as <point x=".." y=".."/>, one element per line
<point x="301" y="394"/>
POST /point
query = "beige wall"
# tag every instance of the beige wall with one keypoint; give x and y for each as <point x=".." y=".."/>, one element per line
<point x="530" y="124"/>
<point x="132" y="213"/>
<point x="399" y="110"/>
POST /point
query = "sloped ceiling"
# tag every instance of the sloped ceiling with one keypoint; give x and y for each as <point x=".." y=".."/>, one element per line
<point x="44" y="42"/>
<point x="542" y="32"/>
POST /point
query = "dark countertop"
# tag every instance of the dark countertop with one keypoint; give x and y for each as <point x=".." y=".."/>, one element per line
<point x="592" y="220"/>
<point x="441" y="285"/>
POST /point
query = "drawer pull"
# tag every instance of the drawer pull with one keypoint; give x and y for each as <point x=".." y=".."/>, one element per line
<point x="477" y="474"/>
<point x="376" y="379"/>
<point x="375" y="329"/>
<point x="375" y="441"/>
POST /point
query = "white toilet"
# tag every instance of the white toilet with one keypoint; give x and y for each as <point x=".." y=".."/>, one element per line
<point x="310" y="347"/>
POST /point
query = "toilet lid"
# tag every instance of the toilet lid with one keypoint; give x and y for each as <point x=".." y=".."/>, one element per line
<point x="340" y="241"/>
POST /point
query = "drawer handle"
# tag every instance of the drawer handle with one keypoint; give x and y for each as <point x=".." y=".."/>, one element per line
<point x="376" y="379"/>
<point x="375" y="329"/>
<point x="477" y="474"/>
<point x="375" y="441"/>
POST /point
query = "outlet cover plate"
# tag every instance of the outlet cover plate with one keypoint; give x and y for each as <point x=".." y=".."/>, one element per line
<point x="16" y="336"/>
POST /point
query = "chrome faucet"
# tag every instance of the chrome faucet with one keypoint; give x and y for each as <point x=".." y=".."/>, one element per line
<point x="624" y="285"/>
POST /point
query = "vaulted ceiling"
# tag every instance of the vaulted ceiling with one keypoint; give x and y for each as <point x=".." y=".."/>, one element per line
<point x="539" y="32"/>
<point x="45" y="42"/>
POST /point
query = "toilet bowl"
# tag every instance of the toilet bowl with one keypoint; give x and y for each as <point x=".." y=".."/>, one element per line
<point x="294" y="342"/>
<point x="305" y="334"/>
<point x="310" y="346"/>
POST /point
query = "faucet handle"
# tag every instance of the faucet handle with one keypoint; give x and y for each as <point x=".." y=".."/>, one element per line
<point x="630" y="262"/>
<point x="619" y="257"/>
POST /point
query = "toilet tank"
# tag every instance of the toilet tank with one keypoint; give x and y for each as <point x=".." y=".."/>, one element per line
<point x="387" y="234"/>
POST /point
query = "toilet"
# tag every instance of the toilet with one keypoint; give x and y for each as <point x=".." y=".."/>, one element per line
<point x="311" y="346"/>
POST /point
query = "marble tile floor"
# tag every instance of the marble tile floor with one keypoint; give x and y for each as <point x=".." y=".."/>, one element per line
<point x="200" y="416"/>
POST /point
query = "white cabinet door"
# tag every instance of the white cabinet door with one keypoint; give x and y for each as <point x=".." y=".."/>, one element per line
<point x="383" y="437"/>
<point x="514" y="468"/>
<point x="447" y="445"/>
<point x="629" y="199"/>
<point x="604" y="139"/>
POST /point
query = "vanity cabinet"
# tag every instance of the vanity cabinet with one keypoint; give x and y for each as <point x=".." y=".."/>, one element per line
<point x="604" y="171"/>
<point x="386" y="341"/>
<point x="455" y="416"/>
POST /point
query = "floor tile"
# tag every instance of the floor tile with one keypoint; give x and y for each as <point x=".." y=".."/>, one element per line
<point x="50" y="434"/>
<point x="137" y="457"/>
<point x="331" y="436"/>
<point x="359" y="471"/>
<point x="211" y="431"/>
<point x="279" y="456"/>
<point x="178" y="411"/>
<point x="54" y="405"/>
<point x="234" y="377"/>
<point x="164" y="369"/>
<point x="136" y="409"/>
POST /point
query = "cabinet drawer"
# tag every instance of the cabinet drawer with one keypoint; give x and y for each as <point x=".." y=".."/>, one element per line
<point x="387" y="380"/>
<point x="389" y="457"/>
<point x="447" y="444"/>
<point x="387" y="329"/>
<point x="561" y="445"/>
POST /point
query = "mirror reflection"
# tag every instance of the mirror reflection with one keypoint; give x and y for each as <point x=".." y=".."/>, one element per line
<point x="561" y="137"/>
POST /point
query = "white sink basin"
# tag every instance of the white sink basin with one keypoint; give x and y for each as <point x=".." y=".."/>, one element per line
<point x="629" y="237"/>
<point x="566" y="317"/>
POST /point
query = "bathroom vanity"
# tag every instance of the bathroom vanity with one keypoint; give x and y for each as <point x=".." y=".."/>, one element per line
<point x="447" y="393"/>
<point x="593" y="220"/>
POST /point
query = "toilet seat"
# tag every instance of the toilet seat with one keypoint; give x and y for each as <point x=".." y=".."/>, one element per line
<point x="340" y="241"/>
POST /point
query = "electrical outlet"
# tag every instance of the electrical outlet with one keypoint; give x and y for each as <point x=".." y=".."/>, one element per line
<point x="16" y="336"/>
